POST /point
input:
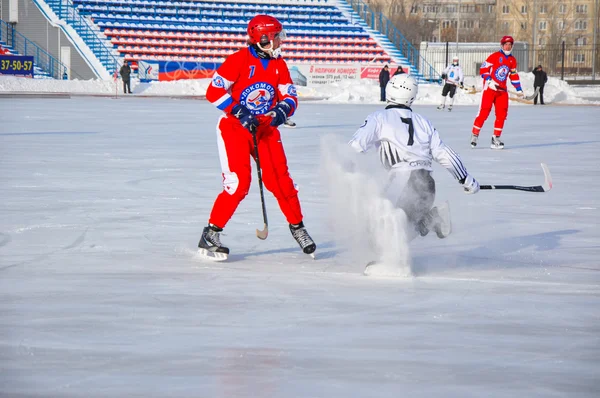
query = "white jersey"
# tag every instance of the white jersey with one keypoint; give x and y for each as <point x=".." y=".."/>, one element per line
<point x="454" y="74"/>
<point x="406" y="140"/>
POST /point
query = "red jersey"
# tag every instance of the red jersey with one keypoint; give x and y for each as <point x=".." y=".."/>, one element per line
<point x="500" y="67"/>
<point x="258" y="84"/>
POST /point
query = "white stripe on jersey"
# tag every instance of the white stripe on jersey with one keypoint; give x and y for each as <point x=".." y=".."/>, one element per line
<point x="406" y="140"/>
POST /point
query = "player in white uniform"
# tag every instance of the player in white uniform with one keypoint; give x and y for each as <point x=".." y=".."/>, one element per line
<point x="407" y="144"/>
<point x="453" y="75"/>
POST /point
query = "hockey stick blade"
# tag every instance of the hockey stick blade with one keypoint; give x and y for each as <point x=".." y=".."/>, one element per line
<point x="537" y="188"/>
<point x="532" y="96"/>
<point x="263" y="234"/>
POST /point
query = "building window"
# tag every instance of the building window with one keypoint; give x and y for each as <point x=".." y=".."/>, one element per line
<point x="469" y="24"/>
<point x="562" y="8"/>
<point x="445" y="24"/>
<point x="581" y="41"/>
<point x="561" y="25"/>
<point x="523" y="25"/>
<point x="543" y="9"/>
<point x="451" y="9"/>
<point x="542" y="25"/>
<point x="505" y="9"/>
<point x="414" y="9"/>
<point x="541" y="41"/>
<point x="579" y="58"/>
<point x="506" y="26"/>
<point x="523" y="9"/>
<point x="490" y="9"/>
<point x="580" y="25"/>
<point x="581" y="9"/>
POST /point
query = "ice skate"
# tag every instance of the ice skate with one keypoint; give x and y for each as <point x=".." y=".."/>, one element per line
<point x="437" y="219"/>
<point x="289" y="124"/>
<point x="210" y="245"/>
<point x="450" y="108"/>
<point x="496" y="143"/>
<point x="474" y="140"/>
<point x="306" y="243"/>
<point x="441" y="107"/>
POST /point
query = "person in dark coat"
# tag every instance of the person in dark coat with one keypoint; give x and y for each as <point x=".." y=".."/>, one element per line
<point x="399" y="71"/>
<point x="125" y="73"/>
<point x="540" y="81"/>
<point x="384" y="78"/>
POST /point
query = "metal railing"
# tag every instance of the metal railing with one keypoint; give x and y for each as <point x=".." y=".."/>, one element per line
<point x="24" y="46"/>
<point x="565" y="61"/>
<point x="65" y="10"/>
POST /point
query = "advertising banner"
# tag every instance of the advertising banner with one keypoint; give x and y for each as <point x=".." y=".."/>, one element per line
<point x="319" y="74"/>
<point x="16" y="65"/>
<point x="175" y="70"/>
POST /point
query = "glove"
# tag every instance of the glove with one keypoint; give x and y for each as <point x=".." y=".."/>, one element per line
<point x="279" y="113"/>
<point x="462" y="85"/>
<point x="246" y="118"/>
<point x="520" y="93"/>
<point x="444" y="76"/>
<point x="489" y="83"/>
<point x="470" y="184"/>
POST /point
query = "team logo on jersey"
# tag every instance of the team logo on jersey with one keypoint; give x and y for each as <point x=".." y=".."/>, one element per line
<point x="218" y="82"/>
<point x="500" y="60"/>
<point x="292" y="91"/>
<point x="501" y="73"/>
<point x="258" y="98"/>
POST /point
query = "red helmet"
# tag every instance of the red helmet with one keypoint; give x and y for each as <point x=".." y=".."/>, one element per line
<point x="264" y="28"/>
<point x="507" y="39"/>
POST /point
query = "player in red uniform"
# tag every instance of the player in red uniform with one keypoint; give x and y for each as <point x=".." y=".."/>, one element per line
<point x="254" y="89"/>
<point x="495" y="71"/>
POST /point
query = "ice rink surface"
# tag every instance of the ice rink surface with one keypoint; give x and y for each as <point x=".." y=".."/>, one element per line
<point x="103" y="202"/>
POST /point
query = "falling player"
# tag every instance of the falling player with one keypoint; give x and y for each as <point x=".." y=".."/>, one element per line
<point x="495" y="71"/>
<point x="407" y="144"/>
<point x="453" y="75"/>
<point x="250" y="86"/>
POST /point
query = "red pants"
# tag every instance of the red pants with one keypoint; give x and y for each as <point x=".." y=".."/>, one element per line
<point x="235" y="148"/>
<point x="500" y="101"/>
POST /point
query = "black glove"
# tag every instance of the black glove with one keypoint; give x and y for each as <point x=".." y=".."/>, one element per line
<point x="462" y="85"/>
<point x="279" y="113"/>
<point x="246" y="118"/>
<point x="444" y="76"/>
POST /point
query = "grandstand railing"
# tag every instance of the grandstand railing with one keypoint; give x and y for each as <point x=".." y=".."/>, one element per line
<point x="24" y="46"/>
<point x="65" y="10"/>
<point x="381" y="23"/>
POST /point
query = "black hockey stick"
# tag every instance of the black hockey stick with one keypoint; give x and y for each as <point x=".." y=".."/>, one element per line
<point x="265" y="232"/>
<point x="537" y="188"/>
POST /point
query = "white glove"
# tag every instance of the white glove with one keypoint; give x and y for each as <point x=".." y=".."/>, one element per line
<point x="520" y="94"/>
<point x="491" y="85"/>
<point x="470" y="185"/>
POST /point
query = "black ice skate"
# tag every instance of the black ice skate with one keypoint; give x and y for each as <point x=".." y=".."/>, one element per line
<point x="306" y="243"/>
<point x="474" y="140"/>
<point x="496" y="143"/>
<point x="210" y="244"/>
<point x="437" y="219"/>
<point x="441" y="107"/>
<point x="450" y="108"/>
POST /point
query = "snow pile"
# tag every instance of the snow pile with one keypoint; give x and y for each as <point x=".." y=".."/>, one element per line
<point x="347" y="91"/>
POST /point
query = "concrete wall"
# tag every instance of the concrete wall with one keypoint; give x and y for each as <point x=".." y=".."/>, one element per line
<point x="33" y="25"/>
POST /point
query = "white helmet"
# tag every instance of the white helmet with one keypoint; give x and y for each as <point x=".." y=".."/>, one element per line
<point x="402" y="89"/>
<point x="455" y="58"/>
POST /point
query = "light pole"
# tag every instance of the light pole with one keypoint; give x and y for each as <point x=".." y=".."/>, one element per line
<point x="457" y="27"/>
<point x="439" y="28"/>
<point x="594" y="40"/>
